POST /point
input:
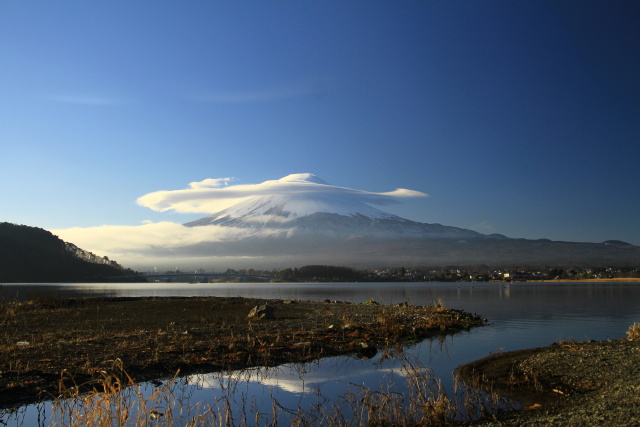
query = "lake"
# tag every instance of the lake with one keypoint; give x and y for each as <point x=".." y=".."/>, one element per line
<point x="521" y="315"/>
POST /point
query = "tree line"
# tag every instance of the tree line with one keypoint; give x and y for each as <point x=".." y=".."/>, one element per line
<point x="31" y="254"/>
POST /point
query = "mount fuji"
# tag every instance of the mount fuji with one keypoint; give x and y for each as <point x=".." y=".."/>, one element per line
<point x="309" y="221"/>
<point x="315" y="209"/>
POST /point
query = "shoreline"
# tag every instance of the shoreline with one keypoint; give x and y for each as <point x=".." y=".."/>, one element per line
<point x="576" y="383"/>
<point x="51" y="344"/>
<point x="616" y="280"/>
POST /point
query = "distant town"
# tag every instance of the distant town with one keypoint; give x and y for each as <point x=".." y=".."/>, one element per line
<point x="326" y="273"/>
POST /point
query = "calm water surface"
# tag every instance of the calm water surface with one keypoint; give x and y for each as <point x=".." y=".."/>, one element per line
<point x="521" y="316"/>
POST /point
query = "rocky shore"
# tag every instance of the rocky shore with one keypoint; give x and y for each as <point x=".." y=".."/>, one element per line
<point x="567" y="383"/>
<point x="48" y="344"/>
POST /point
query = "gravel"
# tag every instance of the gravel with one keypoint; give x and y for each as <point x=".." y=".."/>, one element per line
<point x="569" y="383"/>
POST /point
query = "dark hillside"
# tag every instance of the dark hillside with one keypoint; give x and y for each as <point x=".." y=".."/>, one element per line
<point x="30" y="254"/>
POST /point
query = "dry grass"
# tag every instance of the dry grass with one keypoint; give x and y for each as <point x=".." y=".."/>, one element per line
<point x="118" y="401"/>
<point x="194" y="335"/>
<point x="633" y="333"/>
<point x="571" y="345"/>
<point x="523" y="375"/>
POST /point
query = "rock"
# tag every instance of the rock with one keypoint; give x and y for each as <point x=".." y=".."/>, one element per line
<point x="366" y="350"/>
<point x="263" y="311"/>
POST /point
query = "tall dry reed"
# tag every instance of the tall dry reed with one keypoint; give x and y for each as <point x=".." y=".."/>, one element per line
<point x="117" y="400"/>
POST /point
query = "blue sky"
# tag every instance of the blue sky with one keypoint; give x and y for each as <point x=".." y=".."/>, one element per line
<point x="520" y="118"/>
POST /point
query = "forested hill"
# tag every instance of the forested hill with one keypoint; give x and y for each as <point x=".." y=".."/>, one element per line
<point x="31" y="254"/>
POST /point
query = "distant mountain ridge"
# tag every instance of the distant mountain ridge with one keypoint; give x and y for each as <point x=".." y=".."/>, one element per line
<point x="31" y="254"/>
<point x="322" y="226"/>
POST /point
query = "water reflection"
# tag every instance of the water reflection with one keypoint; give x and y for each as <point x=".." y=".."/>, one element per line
<point x="296" y="378"/>
<point x="334" y="391"/>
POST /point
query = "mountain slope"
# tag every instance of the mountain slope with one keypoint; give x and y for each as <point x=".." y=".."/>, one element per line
<point x="30" y="254"/>
<point x="322" y="212"/>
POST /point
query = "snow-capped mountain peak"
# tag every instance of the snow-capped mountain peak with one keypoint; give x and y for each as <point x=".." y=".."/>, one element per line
<point x="285" y="207"/>
<point x="292" y="197"/>
<point x="305" y="205"/>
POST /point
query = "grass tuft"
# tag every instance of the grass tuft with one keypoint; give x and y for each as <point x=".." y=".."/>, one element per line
<point x="118" y="400"/>
<point x="633" y="333"/>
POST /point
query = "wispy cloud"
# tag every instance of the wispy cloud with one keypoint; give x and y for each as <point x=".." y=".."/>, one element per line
<point x="211" y="182"/>
<point x="203" y="198"/>
<point x="86" y="100"/>
<point x="287" y="91"/>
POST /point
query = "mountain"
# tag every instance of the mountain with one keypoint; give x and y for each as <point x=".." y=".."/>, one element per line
<point x="311" y="223"/>
<point x="31" y="254"/>
<point x="334" y="214"/>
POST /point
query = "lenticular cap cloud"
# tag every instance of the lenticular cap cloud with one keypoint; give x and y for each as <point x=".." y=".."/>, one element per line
<point x="213" y="195"/>
<point x="211" y="182"/>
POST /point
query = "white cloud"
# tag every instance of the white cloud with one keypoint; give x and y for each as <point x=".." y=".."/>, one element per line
<point x="169" y="244"/>
<point x="208" y="199"/>
<point x="159" y="241"/>
<point x="211" y="182"/>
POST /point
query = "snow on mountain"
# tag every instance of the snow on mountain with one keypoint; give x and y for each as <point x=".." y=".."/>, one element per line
<point x="310" y="206"/>
<point x="310" y="195"/>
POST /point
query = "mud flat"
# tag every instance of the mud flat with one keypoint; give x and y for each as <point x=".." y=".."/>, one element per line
<point x="567" y="383"/>
<point x="48" y="344"/>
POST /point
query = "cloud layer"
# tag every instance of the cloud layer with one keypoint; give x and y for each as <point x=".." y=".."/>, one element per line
<point x="213" y="195"/>
<point x="152" y="243"/>
<point x="171" y="244"/>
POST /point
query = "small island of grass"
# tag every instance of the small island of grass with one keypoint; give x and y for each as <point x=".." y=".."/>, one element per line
<point x="50" y="343"/>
